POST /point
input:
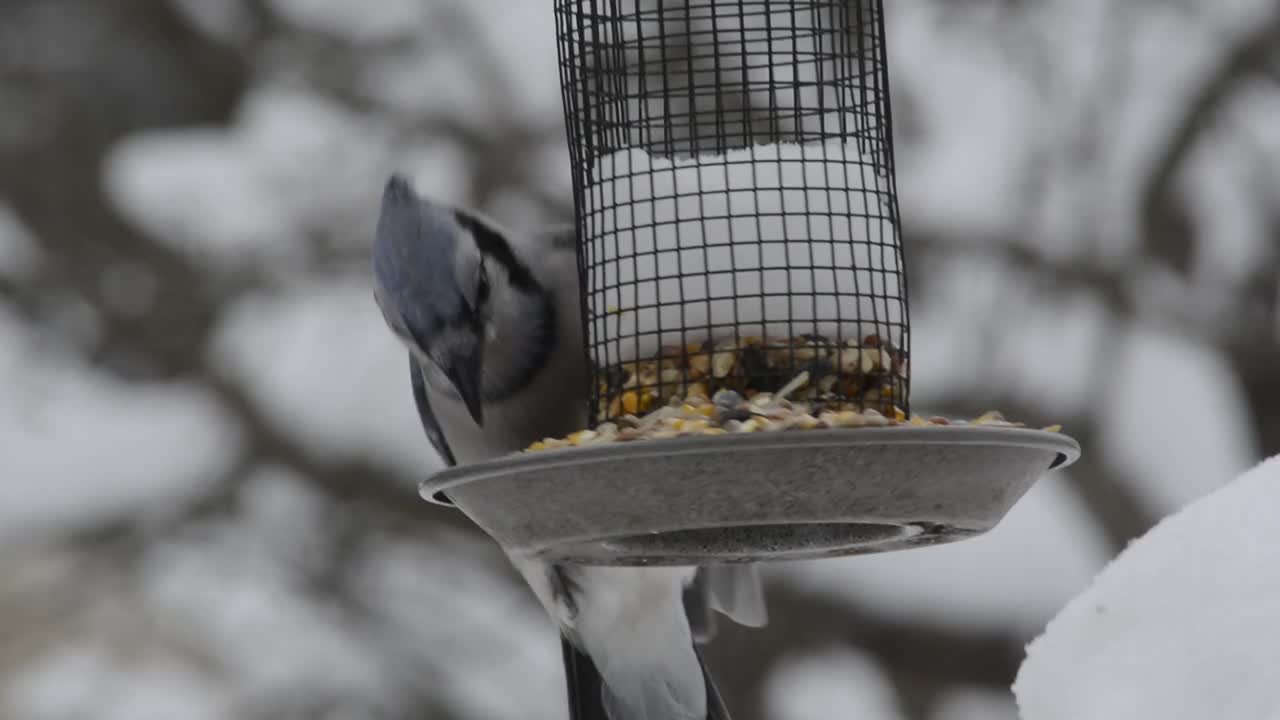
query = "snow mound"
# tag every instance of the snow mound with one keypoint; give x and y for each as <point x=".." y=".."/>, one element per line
<point x="775" y="240"/>
<point x="1184" y="624"/>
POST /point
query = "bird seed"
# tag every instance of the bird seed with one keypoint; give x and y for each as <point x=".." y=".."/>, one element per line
<point x="732" y="387"/>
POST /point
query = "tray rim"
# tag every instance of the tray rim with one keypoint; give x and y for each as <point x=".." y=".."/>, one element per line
<point x="1066" y="447"/>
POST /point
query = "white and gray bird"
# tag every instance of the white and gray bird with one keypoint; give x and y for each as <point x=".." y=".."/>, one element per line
<point x="492" y="323"/>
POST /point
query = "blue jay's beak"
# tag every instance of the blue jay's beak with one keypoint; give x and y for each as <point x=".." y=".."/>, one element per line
<point x="464" y="372"/>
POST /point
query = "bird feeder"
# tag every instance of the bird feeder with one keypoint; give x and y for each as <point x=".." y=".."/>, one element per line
<point x="744" y="299"/>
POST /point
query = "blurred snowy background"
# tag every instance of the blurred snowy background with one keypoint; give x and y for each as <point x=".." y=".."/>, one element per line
<point x="207" y="446"/>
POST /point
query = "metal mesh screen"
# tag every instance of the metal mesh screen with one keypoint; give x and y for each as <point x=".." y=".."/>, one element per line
<point x="735" y="199"/>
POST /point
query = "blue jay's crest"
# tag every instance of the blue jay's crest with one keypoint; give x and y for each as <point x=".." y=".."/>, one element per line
<point x="413" y="247"/>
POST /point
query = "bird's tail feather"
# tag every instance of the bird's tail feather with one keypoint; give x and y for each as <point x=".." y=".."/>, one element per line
<point x="716" y="709"/>
<point x="586" y="688"/>
<point x="589" y="698"/>
<point x="736" y="591"/>
<point x="697" y="607"/>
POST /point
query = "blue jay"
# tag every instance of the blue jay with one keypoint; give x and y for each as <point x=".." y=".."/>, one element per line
<point x="491" y="320"/>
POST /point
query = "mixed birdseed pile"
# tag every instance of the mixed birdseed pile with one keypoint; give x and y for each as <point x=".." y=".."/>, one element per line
<point x="732" y="387"/>
<point x="871" y="373"/>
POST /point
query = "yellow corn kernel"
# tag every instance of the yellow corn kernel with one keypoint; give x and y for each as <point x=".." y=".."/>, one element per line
<point x="647" y="400"/>
<point x="899" y="414"/>
<point x="698" y="390"/>
<point x="699" y="410"/>
<point x="582" y="436"/>
<point x="700" y="364"/>
<point x="989" y="416"/>
<point x="539" y="445"/>
<point x="722" y="363"/>
<point x="714" y="431"/>
<point x="850" y="418"/>
<point x="630" y="402"/>
<point x="1053" y="428"/>
<point x="804" y="422"/>
<point x="694" y="425"/>
<point x="918" y="421"/>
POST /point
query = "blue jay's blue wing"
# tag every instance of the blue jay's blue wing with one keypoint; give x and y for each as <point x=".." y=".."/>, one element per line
<point x="429" y="423"/>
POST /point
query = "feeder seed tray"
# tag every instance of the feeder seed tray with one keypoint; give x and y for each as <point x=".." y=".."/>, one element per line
<point x="754" y="497"/>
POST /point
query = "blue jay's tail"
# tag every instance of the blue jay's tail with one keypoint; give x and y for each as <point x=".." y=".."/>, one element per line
<point x="586" y="701"/>
<point x="732" y="590"/>
<point x="587" y="691"/>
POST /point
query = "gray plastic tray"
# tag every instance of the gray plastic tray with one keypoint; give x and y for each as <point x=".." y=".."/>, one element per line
<point x="754" y="497"/>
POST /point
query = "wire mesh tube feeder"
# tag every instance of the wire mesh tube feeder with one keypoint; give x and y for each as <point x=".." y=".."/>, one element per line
<point x="745" y="305"/>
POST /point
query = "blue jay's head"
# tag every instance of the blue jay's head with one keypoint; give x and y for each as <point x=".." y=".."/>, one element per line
<point x="449" y="285"/>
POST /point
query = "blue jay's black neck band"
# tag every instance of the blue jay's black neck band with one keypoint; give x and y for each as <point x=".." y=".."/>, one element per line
<point x="543" y="335"/>
<point x="493" y="245"/>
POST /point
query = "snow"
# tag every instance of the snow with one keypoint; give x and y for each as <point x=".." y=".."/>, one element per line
<point x="360" y="22"/>
<point x="310" y="355"/>
<point x="239" y="197"/>
<point x="758" y="235"/>
<point x="1198" y="417"/>
<point x="503" y="655"/>
<point x="975" y="704"/>
<point x="76" y="447"/>
<point x="956" y="340"/>
<point x="521" y="40"/>
<point x="1182" y="624"/>
<point x="808" y="687"/>
<point x="78" y="681"/>
<point x="226" y="20"/>
<point x="1223" y="194"/>
<point x="224" y="616"/>
<point x="973" y="109"/>
<point x="491" y="64"/>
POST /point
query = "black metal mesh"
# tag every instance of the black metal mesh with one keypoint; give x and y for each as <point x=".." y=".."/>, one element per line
<point x="734" y="190"/>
